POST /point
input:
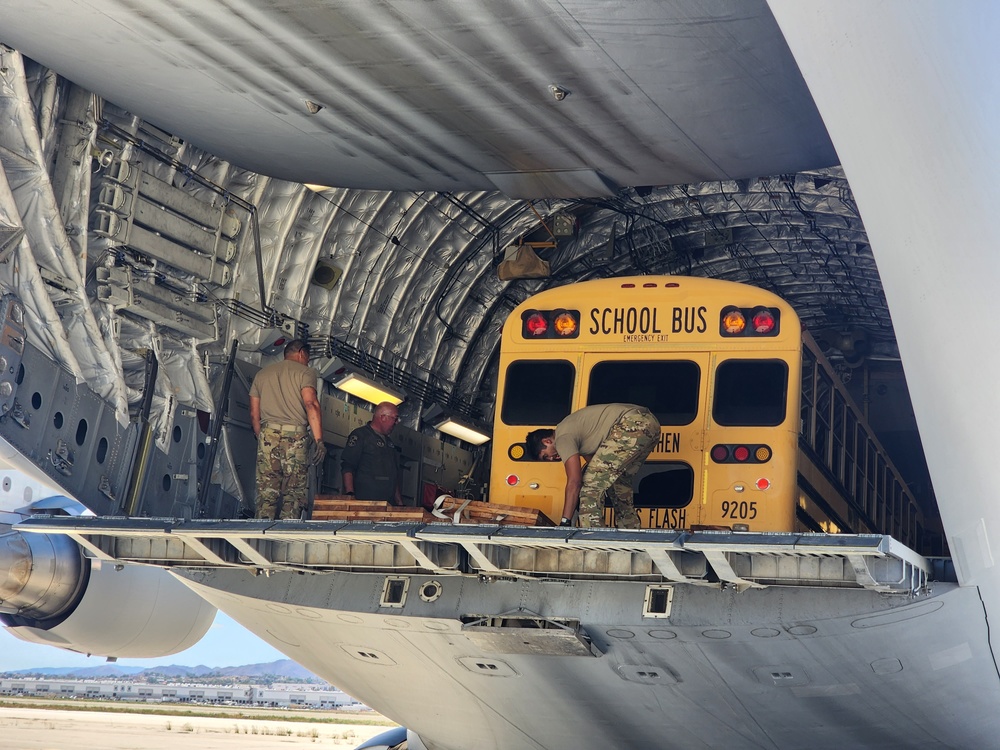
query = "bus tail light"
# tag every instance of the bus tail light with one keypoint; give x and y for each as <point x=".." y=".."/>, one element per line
<point x="513" y="480"/>
<point x="763" y="483"/>
<point x="722" y="453"/>
<point x="565" y="324"/>
<point x="535" y="324"/>
<point x="763" y="321"/>
<point x="741" y="321"/>
<point x="550" y="324"/>
<point x="734" y="322"/>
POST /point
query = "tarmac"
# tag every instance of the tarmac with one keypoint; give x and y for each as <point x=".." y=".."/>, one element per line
<point x="30" y="728"/>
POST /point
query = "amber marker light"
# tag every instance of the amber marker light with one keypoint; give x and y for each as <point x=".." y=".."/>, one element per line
<point x="565" y="324"/>
<point x="733" y="321"/>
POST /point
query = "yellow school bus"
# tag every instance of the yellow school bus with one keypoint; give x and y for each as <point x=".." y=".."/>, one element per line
<point x="721" y="365"/>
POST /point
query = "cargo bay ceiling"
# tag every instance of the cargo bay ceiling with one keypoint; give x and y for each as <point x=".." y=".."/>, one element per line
<point x="620" y="138"/>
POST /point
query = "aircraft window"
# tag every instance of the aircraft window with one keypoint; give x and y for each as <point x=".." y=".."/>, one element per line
<point x="750" y="392"/>
<point x="166" y="482"/>
<point x="538" y="392"/>
<point x="81" y="431"/>
<point x="102" y="450"/>
<point x="36" y="400"/>
<point x="177" y="433"/>
<point x="57" y="420"/>
<point x="669" y="389"/>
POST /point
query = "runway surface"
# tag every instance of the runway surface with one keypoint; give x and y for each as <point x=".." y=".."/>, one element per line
<point x="55" y="729"/>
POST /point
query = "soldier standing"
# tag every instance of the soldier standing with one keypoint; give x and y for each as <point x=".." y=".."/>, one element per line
<point x="284" y="410"/>
<point x="615" y="439"/>
<point x="370" y="462"/>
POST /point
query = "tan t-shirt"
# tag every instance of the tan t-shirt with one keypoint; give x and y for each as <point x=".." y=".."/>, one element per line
<point x="583" y="430"/>
<point x="279" y="388"/>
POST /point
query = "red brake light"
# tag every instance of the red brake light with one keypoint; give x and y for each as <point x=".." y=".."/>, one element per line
<point x="763" y="320"/>
<point x="512" y="479"/>
<point x="536" y="324"/>
<point x="742" y="453"/>
<point x="720" y="453"/>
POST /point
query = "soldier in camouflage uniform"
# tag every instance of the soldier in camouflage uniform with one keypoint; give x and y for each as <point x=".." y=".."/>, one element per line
<point x="615" y="439"/>
<point x="284" y="410"/>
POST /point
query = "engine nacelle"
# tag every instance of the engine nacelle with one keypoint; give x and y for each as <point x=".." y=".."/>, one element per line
<point x="398" y="738"/>
<point x="41" y="575"/>
<point x="55" y="596"/>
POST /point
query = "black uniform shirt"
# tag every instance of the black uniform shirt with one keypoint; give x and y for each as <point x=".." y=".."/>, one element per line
<point x="374" y="461"/>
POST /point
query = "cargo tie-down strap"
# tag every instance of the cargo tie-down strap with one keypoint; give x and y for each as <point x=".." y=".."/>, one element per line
<point x="443" y="513"/>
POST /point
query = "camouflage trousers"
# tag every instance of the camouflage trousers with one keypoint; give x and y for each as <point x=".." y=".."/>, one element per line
<point x="282" y="473"/>
<point x="612" y="469"/>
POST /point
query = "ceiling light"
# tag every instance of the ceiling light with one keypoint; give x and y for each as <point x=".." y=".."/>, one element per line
<point x="368" y="389"/>
<point x="462" y="430"/>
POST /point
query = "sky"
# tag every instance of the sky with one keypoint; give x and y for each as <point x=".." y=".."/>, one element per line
<point x="227" y="644"/>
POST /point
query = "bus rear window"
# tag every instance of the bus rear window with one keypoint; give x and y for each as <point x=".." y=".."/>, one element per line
<point x="537" y="392"/>
<point x="669" y="389"/>
<point x="666" y="484"/>
<point x="750" y="392"/>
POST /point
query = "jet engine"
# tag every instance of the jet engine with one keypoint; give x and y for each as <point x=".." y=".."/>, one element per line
<point x="398" y="738"/>
<point x="52" y="594"/>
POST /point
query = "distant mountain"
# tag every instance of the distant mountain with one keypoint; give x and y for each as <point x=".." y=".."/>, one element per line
<point x="282" y="668"/>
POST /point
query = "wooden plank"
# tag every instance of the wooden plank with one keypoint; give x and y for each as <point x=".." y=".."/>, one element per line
<point x="347" y="508"/>
<point x="400" y="514"/>
<point x="350" y="505"/>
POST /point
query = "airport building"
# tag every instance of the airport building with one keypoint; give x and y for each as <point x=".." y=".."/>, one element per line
<point x="278" y="696"/>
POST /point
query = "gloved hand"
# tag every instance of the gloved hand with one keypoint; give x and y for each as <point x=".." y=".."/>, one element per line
<point x="317" y="452"/>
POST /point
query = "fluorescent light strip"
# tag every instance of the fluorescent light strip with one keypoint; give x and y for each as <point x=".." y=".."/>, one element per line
<point x="462" y="431"/>
<point x="369" y="390"/>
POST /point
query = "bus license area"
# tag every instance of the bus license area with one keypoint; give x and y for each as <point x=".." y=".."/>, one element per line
<point x="739" y="510"/>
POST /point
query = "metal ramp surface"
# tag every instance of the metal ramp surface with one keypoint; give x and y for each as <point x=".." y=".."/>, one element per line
<point x="702" y="558"/>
